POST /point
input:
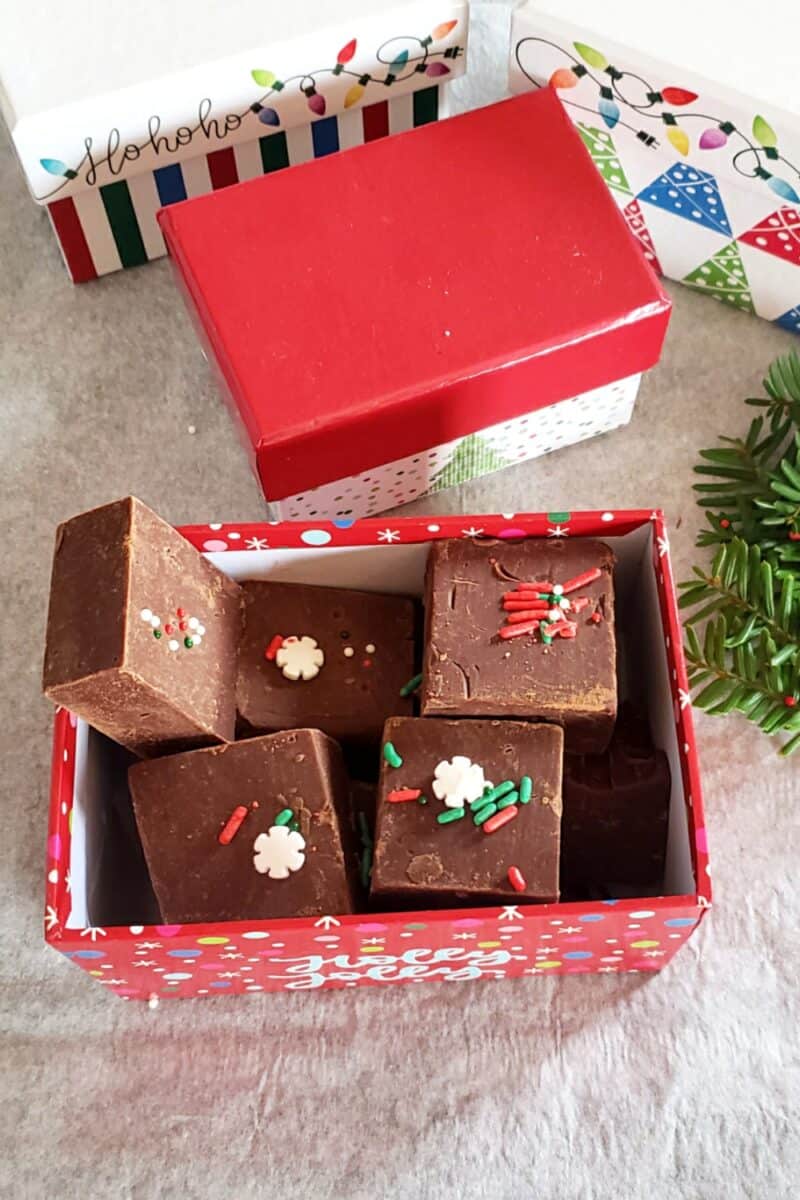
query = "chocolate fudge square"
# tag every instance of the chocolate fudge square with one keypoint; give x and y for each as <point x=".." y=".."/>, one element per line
<point x="251" y="831"/>
<point x="434" y="854"/>
<point x="327" y="658"/>
<point x="525" y="630"/>
<point x="142" y="632"/>
<point x="616" y="812"/>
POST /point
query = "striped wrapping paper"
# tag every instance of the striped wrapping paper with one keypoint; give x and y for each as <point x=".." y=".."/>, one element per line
<point x="104" y="229"/>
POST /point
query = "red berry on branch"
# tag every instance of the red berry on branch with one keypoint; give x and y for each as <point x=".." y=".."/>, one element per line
<point x="725" y="523"/>
<point x="789" y="701"/>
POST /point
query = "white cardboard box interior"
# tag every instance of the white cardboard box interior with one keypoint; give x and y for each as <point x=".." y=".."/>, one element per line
<point x="681" y="1085"/>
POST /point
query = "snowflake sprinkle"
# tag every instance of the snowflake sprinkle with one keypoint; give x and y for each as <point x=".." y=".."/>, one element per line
<point x="299" y="657"/>
<point x="278" y="852"/>
<point x="459" y="781"/>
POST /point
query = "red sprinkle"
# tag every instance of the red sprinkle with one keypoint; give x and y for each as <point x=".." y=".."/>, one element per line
<point x="168" y="628"/>
<point x="273" y="648"/>
<point x="789" y="701"/>
<point x="180" y="613"/>
<point x="580" y="603"/>
<point x="596" y="617"/>
<point x="579" y="581"/>
<point x="516" y="879"/>
<point x="183" y="626"/>
<point x="522" y="593"/>
<point x="527" y="614"/>
<point x="535" y="585"/>
<point x="399" y="795"/>
<point x="512" y="631"/>
<point x="521" y="604"/>
<point x="559" y="628"/>
<point x="500" y="819"/>
<point x="232" y="825"/>
<point x="570" y="631"/>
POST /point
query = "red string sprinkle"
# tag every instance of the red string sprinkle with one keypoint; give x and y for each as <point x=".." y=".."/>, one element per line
<point x="522" y="604"/>
<point x="525" y="594"/>
<point x="400" y="795"/>
<point x="569" y="631"/>
<point x="579" y="603"/>
<point x="527" y="614"/>
<point x="516" y="879"/>
<point x="579" y="581"/>
<point x="273" y="648"/>
<point x="232" y="825"/>
<point x="512" y="631"/>
<point x="500" y="819"/>
<point x="535" y="585"/>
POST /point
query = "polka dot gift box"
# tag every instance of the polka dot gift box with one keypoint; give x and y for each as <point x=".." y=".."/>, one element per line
<point x="155" y="104"/>
<point x="377" y="347"/>
<point x="694" y="125"/>
<point x="100" y="913"/>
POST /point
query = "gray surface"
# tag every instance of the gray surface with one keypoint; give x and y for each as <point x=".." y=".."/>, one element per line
<point x="679" y="1086"/>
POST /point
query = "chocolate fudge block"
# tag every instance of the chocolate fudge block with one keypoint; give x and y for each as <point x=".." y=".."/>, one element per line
<point x="616" y="812"/>
<point x="327" y="658"/>
<point x="436" y="854"/>
<point x="251" y="831"/>
<point x="523" y="629"/>
<point x="142" y="632"/>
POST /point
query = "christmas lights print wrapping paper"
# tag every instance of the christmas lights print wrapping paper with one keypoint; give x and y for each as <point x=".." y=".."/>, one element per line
<point x="104" y="163"/>
<point x="157" y="961"/>
<point x="708" y="181"/>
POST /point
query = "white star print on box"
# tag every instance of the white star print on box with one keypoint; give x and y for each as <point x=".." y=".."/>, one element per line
<point x="300" y="658"/>
<point x="279" y="852"/>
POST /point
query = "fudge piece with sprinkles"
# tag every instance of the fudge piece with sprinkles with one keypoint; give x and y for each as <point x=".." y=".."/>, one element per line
<point x="260" y="829"/>
<point x="469" y="813"/>
<point x="142" y="632"/>
<point x="524" y="630"/>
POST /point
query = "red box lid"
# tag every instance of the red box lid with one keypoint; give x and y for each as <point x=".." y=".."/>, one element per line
<point x="371" y="304"/>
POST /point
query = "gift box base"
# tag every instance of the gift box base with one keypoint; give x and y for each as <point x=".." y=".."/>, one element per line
<point x="451" y="463"/>
<point x="100" y="911"/>
<point x="105" y="229"/>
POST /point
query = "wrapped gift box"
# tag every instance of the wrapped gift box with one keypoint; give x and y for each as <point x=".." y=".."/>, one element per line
<point x="97" y="908"/>
<point x="695" y="128"/>
<point x="377" y="347"/>
<point x="112" y="120"/>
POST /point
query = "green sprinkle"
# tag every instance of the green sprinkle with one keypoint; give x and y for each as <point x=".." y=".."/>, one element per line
<point x="544" y="595"/>
<point x="188" y="643"/>
<point x="450" y="814"/>
<point x="363" y="828"/>
<point x="391" y="755"/>
<point x="525" y="789"/>
<point x="156" y="633"/>
<point x="411" y="686"/>
<point x="494" y="793"/>
<point x="422" y="800"/>
<point x="295" y="826"/>
<point x="366" y="865"/>
<point x="284" y="816"/>
<point x="508" y="800"/>
<point x="484" y="813"/>
<point x="548" y="641"/>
